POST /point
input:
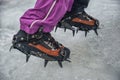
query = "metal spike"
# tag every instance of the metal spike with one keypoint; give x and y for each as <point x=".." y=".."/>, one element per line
<point x="77" y="30"/>
<point x="98" y="28"/>
<point x="10" y="48"/>
<point x="56" y="28"/>
<point x="68" y="60"/>
<point x="27" y="57"/>
<point x="60" y="64"/>
<point x="86" y="33"/>
<point x="64" y="29"/>
<point x="96" y="31"/>
<point x="45" y="63"/>
<point x="73" y="32"/>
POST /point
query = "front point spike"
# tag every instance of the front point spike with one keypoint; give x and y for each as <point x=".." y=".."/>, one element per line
<point x="10" y="48"/>
<point x="45" y="63"/>
<point x="60" y="64"/>
<point x="68" y="60"/>
<point x="86" y="33"/>
<point x="96" y="32"/>
<point x="27" y="57"/>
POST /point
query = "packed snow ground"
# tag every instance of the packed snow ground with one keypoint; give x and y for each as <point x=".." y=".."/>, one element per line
<point x="93" y="57"/>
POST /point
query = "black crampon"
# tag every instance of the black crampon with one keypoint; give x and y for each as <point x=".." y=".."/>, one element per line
<point x="41" y="45"/>
<point x="79" y="22"/>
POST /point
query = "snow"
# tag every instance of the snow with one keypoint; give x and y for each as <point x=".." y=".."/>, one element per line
<point x="93" y="57"/>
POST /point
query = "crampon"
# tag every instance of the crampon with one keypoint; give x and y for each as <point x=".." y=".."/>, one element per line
<point x="79" y="22"/>
<point x="41" y="45"/>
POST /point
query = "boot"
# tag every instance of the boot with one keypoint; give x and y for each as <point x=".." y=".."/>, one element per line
<point x="80" y="21"/>
<point x="41" y="45"/>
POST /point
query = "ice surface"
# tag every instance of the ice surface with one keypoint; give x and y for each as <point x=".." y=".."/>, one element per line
<point x="93" y="57"/>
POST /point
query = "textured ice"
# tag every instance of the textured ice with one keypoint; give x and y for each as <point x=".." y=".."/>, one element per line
<point x="93" y="57"/>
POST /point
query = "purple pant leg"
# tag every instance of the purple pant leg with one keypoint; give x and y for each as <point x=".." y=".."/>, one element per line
<point x="31" y="21"/>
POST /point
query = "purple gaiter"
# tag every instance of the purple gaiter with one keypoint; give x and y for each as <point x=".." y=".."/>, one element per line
<point x="46" y="13"/>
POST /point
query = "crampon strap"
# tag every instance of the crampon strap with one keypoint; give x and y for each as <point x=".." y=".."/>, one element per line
<point x="45" y="50"/>
<point x="90" y="22"/>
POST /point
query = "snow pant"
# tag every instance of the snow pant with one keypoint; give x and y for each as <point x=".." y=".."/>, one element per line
<point x="46" y="14"/>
